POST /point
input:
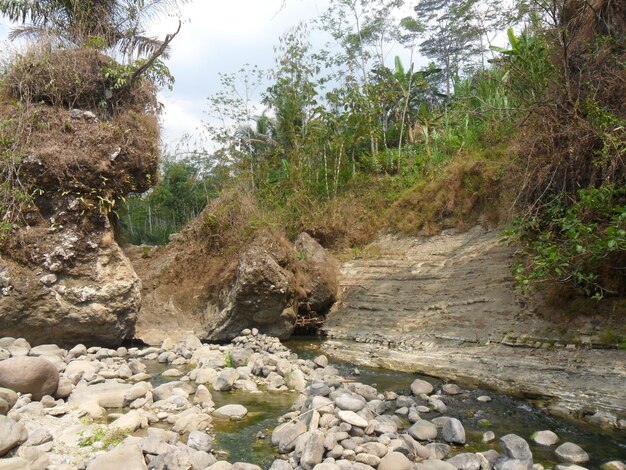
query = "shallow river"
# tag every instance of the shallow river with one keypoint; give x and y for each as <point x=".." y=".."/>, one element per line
<point x="248" y="440"/>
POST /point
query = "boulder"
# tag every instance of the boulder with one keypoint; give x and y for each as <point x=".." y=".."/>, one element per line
<point x="515" y="447"/>
<point x="453" y="431"/>
<point x="313" y="452"/>
<point x="232" y="412"/>
<point x="419" y="387"/>
<point x="570" y="452"/>
<point x="123" y="457"/>
<point x="262" y="291"/>
<point x="319" y="271"/>
<point x="32" y="375"/>
<point x="12" y="434"/>
<point x="545" y="438"/>
<point x="423" y="430"/>
<point x="395" y="461"/>
<point x="199" y="440"/>
<point x="96" y="302"/>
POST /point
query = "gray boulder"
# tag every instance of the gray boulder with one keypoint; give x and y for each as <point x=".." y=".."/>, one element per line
<point x="32" y="375"/>
<point x="545" y="438"/>
<point x="319" y="275"/>
<point x="453" y="431"/>
<point x="570" y="452"/>
<point x="514" y="447"/>
<point x="395" y="461"/>
<point x="12" y="434"/>
<point x="232" y="412"/>
<point x="419" y="387"/>
<point x="313" y="452"/>
<point x="423" y="430"/>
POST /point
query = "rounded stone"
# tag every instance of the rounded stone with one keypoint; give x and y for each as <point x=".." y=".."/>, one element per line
<point x="33" y="375"/>
<point x="395" y="461"/>
<point x="232" y="412"/>
<point x="570" y="452"/>
<point x="423" y="430"/>
<point x="419" y="387"/>
<point x="453" y="431"/>
<point x="545" y="438"/>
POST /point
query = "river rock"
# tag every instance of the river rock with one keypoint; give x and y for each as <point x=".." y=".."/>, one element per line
<point x="14" y="463"/>
<point x="467" y="461"/>
<point x="350" y="402"/>
<point x="222" y="465"/>
<point x="296" y="380"/>
<point x="313" y="451"/>
<point x="395" y="461"/>
<point x="451" y="389"/>
<point x="423" y="430"/>
<point x="37" y="459"/>
<point x="434" y="465"/>
<point x="233" y="412"/>
<point x="545" y="438"/>
<point x="453" y="431"/>
<point x="352" y="418"/>
<point x="9" y="397"/>
<point x="225" y="380"/>
<point x="419" y="387"/>
<point x="514" y="447"/>
<point x="613" y="465"/>
<point x="123" y="457"/>
<point x="12" y="434"/>
<point x="570" y="452"/>
<point x="505" y="463"/>
<point x="130" y="421"/>
<point x="199" y="440"/>
<point x="106" y="395"/>
<point x="32" y="375"/>
<point x="284" y="436"/>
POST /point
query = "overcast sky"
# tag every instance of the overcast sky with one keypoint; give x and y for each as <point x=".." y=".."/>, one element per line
<point x="221" y="37"/>
<point x="217" y="36"/>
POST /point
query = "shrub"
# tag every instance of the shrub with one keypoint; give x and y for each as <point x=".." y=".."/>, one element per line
<point x="581" y="244"/>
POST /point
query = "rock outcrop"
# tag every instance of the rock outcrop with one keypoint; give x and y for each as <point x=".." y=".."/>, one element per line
<point x="63" y="277"/>
<point x="446" y="306"/>
<point x="87" y="294"/>
<point x="268" y="286"/>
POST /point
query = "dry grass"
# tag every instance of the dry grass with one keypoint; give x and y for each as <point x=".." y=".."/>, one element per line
<point x="467" y="189"/>
<point x="573" y="139"/>
<point x="74" y="78"/>
<point x="70" y="172"/>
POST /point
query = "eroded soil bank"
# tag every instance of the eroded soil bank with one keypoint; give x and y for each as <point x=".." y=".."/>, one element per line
<point x="445" y="306"/>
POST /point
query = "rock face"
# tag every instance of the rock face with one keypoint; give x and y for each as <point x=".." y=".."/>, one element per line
<point x="271" y="286"/>
<point x="94" y="298"/>
<point x="29" y="375"/>
<point x="320" y="282"/>
<point x="63" y="278"/>
<point x="446" y="306"/>
<point x="261" y="295"/>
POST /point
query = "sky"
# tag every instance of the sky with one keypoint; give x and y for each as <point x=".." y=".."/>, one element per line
<point x="216" y="36"/>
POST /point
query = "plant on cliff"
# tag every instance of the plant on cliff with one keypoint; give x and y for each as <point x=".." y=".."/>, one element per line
<point x="580" y="243"/>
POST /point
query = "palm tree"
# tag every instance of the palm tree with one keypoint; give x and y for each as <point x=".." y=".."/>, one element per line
<point x="116" y="25"/>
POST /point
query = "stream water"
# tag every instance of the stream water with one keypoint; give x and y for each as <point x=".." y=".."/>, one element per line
<point x="248" y="440"/>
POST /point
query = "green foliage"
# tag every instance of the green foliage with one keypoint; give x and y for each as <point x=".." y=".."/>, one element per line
<point x="579" y="243"/>
<point x="179" y="196"/>
<point x="109" y="437"/>
<point x="120" y="76"/>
